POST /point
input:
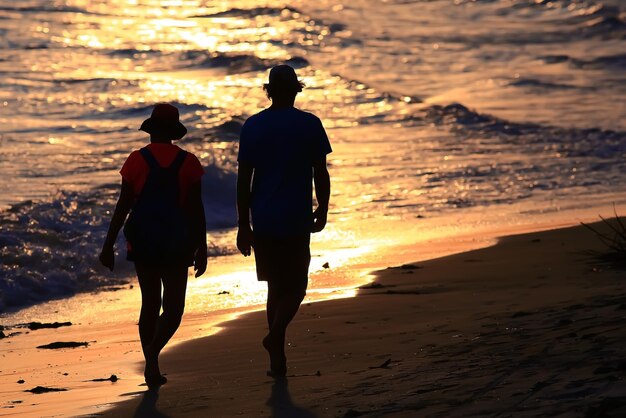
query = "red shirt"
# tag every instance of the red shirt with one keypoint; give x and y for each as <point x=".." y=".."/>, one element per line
<point x="135" y="170"/>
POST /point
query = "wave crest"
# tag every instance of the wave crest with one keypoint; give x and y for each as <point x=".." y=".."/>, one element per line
<point x="49" y="249"/>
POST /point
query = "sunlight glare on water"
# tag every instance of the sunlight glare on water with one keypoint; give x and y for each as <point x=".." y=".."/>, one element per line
<point x="451" y="121"/>
<point x="80" y="76"/>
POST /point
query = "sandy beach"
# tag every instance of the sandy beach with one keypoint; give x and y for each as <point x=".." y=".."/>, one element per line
<point x="532" y="326"/>
<point x="451" y="123"/>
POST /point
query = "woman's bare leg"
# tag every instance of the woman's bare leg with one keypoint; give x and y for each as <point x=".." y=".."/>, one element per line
<point x="150" y="284"/>
<point x="156" y="331"/>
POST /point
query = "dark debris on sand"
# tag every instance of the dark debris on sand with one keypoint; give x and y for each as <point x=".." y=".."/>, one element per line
<point x="373" y="285"/>
<point x="63" y="344"/>
<point x="33" y="326"/>
<point x="39" y="325"/>
<point x="410" y="267"/>
<point x="42" y="389"/>
<point x="405" y="267"/>
<point x="112" y="378"/>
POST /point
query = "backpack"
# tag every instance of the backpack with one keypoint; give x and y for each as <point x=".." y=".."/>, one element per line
<point x="157" y="228"/>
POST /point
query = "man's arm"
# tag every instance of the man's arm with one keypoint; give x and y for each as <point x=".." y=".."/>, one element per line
<point x="123" y="206"/>
<point x="199" y="223"/>
<point x="321" y="179"/>
<point x="244" y="235"/>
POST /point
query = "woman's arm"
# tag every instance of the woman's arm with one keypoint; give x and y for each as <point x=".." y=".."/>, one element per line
<point x="199" y="224"/>
<point x="123" y="206"/>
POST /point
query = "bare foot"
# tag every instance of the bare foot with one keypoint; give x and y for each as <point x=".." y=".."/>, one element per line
<point x="278" y="360"/>
<point x="152" y="373"/>
<point x="155" y="380"/>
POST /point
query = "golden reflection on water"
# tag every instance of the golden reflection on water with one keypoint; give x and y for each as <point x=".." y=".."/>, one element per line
<point x="144" y="44"/>
<point x="133" y="31"/>
<point x="177" y="26"/>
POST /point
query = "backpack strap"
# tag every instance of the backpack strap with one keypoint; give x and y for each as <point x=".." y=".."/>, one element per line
<point x="149" y="158"/>
<point x="153" y="163"/>
<point x="178" y="161"/>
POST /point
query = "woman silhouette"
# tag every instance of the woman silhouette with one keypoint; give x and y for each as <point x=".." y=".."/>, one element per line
<point x="165" y="232"/>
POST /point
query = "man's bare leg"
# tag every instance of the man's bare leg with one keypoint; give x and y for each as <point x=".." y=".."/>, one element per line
<point x="284" y="306"/>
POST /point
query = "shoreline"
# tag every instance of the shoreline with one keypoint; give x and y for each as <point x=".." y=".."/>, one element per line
<point x="117" y="349"/>
<point x="114" y="346"/>
<point x="476" y="333"/>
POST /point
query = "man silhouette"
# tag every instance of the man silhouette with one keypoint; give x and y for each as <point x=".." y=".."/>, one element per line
<point x="282" y="151"/>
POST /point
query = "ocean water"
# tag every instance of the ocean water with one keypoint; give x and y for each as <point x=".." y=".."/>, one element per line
<point x="436" y="109"/>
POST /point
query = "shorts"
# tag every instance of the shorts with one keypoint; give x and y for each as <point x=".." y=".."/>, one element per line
<point x="185" y="260"/>
<point x="283" y="261"/>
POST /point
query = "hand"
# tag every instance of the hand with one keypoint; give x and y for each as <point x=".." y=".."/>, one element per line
<point x="319" y="219"/>
<point x="245" y="240"/>
<point x="200" y="261"/>
<point x="107" y="257"/>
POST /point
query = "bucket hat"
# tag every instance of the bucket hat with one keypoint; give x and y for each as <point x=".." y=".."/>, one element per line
<point x="164" y="120"/>
<point x="283" y="77"/>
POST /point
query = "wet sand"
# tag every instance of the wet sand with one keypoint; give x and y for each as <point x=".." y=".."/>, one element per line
<point x="529" y="327"/>
<point x="70" y="380"/>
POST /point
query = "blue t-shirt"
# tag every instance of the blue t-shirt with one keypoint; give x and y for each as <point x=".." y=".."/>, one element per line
<point x="282" y="145"/>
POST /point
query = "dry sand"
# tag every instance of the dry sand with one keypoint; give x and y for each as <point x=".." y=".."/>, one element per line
<point x="529" y="327"/>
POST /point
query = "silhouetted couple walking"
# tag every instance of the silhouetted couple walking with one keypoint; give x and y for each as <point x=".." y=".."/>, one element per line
<point x="282" y="152"/>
